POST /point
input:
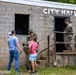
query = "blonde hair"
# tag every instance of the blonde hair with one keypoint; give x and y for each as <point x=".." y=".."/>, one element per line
<point x="32" y="38"/>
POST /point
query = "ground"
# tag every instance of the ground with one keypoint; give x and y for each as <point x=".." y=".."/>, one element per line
<point x="67" y="70"/>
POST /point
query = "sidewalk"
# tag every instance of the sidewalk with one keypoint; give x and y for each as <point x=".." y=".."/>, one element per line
<point x="4" y="72"/>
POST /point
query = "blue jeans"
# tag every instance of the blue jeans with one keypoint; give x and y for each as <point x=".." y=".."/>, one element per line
<point x="13" y="55"/>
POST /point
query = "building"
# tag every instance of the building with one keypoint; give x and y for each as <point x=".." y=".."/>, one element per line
<point x="41" y="16"/>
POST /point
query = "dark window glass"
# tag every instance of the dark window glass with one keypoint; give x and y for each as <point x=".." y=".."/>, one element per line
<point x="21" y="24"/>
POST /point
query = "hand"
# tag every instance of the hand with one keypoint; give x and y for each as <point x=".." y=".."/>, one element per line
<point x="23" y="44"/>
<point x="20" y="52"/>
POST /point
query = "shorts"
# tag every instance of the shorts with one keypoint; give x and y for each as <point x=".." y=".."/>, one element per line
<point x="32" y="57"/>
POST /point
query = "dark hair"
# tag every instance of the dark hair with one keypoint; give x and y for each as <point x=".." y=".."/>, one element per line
<point x="13" y="32"/>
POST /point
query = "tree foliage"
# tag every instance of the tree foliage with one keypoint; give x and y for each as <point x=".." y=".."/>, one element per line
<point x="64" y="1"/>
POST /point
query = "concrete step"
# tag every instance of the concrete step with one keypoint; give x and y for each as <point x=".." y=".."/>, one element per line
<point x="41" y="62"/>
<point x="65" y="58"/>
<point x="43" y="58"/>
<point x="66" y="51"/>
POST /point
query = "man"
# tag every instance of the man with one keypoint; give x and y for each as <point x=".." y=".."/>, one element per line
<point x="26" y="48"/>
<point x="68" y="33"/>
<point x="31" y="33"/>
<point x="13" y="50"/>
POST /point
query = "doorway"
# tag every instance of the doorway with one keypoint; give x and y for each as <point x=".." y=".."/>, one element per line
<point x="60" y="26"/>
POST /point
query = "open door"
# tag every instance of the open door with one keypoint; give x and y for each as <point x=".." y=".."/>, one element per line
<point x="60" y="26"/>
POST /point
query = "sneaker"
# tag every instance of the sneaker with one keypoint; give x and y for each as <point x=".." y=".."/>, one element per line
<point x="36" y="71"/>
<point x="29" y="71"/>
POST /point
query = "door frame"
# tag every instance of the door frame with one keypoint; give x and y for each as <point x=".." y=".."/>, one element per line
<point x="55" y="25"/>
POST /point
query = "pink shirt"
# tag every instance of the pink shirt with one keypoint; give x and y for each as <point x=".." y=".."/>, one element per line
<point x="33" y="45"/>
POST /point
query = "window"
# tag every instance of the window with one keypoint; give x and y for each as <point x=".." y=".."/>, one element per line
<point x="21" y="24"/>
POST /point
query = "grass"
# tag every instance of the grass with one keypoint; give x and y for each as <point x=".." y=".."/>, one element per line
<point x="67" y="70"/>
<point x="3" y="68"/>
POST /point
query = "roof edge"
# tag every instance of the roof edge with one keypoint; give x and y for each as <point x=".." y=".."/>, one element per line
<point x="44" y="4"/>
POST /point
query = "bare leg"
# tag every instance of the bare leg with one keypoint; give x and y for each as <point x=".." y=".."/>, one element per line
<point x="33" y="66"/>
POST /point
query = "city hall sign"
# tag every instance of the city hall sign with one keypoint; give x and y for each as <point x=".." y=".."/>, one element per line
<point x="59" y="12"/>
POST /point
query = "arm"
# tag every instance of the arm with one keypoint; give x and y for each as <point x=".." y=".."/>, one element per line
<point x="69" y="30"/>
<point x="30" y="45"/>
<point x="17" y="44"/>
<point x="29" y="49"/>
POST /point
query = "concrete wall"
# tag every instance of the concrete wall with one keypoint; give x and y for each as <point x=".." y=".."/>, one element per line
<point x="41" y="24"/>
<point x="64" y="59"/>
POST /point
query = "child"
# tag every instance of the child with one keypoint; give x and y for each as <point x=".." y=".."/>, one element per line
<point x="32" y="54"/>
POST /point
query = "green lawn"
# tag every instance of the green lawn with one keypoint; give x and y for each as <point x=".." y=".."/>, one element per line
<point x="68" y="70"/>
